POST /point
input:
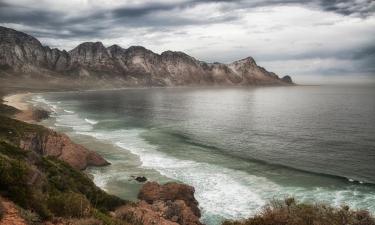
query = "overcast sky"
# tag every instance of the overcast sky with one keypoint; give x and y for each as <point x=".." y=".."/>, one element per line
<point x="306" y="39"/>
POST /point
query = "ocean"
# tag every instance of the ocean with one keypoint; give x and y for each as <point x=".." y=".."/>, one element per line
<point x="239" y="147"/>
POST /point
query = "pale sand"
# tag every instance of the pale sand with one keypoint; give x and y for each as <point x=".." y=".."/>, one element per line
<point x="17" y="101"/>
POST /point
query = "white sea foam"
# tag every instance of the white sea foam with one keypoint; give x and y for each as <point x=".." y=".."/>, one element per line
<point x="92" y="122"/>
<point x="221" y="192"/>
<point x="69" y="111"/>
<point x="73" y="121"/>
<point x="38" y="99"/>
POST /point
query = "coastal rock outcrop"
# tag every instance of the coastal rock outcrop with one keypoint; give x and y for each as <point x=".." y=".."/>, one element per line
<point x="91" y="63"/>
<point x="287" y="79"/>
<point x="168" y="204"/>
<point x="51" y="143"/>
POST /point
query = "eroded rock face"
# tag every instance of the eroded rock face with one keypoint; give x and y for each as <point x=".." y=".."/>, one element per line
<point x="23" y="55"/>
<point x="51" y="143"/>
<point x="168" y="204"/>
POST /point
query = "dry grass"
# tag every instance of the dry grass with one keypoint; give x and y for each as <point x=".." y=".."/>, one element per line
<point x="289" y="212"/>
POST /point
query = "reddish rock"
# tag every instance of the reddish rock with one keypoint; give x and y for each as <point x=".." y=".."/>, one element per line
<point x="167" y="204"/>
<point x="11" y="214"/>
<point x="51" y="143"/>
<point x="153" y="191"/>
<point x="142" y="213"/>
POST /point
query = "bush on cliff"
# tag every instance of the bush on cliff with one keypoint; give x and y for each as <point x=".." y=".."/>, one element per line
<point x="12" y="131"/>
<point x="290" y="212"/>
<point x="7" y="110"/>
<point x="58" y="190"/>
<point x="69" y="205"/>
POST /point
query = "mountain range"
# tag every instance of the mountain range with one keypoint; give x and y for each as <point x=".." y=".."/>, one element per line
<point x="24" y="57"/>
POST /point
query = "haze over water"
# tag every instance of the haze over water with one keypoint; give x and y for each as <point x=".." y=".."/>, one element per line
<point x="239" y="147"/>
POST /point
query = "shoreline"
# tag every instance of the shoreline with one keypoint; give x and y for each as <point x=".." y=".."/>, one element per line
<point x="27" y="114"/>
<point x="22" y="98"/>
<point x="17" y="101"/>
<point x="26" y="111"/>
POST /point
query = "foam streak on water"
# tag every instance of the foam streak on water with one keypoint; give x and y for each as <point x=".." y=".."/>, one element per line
<point x="222" y="192"/>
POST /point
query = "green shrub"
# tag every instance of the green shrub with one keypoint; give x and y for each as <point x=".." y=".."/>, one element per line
<point x="63" y="178"/>
<point x="13" y="179"/>
<point x="57" y="190"/>
<point x="69" y="205"/>
<point x="12" y="131"/>
<point x="30" y="217"/>
<point x="7" y="110"/>
<point x="289" y="212"/>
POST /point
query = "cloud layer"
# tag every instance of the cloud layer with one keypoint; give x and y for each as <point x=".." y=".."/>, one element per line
<point x="297" y="37"/>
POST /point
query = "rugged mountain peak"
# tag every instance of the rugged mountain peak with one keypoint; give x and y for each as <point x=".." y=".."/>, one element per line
<point x="246" y="61"/>
<point x="22" y="55"/>
<point x="137" y="48"/>
<point x="88" y="46"/>
<point x="116" y="51"/>
<point x="91" y="54"/>
<point x="8" y="35"/>
<point x="177" y="56"/>
<point x="115" y="48"/>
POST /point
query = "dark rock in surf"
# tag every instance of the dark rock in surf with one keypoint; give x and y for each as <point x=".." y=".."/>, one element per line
<point x="141" y="179"/>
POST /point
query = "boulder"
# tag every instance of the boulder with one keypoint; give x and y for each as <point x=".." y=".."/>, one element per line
<point x="141" y="179"/>
<point x="168" y="204"/>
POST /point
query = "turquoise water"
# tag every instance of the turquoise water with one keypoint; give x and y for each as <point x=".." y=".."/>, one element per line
<point x="239" y="147"/>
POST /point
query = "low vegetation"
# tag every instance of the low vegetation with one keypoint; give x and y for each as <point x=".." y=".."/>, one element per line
<point x="290" y="212"/>
<point x="51" y="188"/>
<point x="46" y="188"/>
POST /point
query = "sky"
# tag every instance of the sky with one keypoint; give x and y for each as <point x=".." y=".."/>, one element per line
<point x="310" y="40"/>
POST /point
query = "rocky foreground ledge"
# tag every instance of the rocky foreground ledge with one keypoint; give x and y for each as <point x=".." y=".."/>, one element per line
<point x="168" y="204"/>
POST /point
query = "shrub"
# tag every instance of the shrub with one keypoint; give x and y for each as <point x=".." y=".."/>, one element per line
<point x="289" y="212"/>
<point x="45" y="185"/>
<point x="69" y="205"/>
<point x="30" y="217"/>
<point x="13" y="175"/>
<point x="63" y="178"/>
<point x="7" y="110"/>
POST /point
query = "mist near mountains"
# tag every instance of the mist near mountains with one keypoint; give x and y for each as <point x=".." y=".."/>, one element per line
<point x="94" y="65"/>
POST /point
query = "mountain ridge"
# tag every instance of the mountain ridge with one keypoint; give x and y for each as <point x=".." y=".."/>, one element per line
<point x="22" y="55"/>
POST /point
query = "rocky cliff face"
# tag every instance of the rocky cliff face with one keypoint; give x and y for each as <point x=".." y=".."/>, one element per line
<point x="22" y="55"/>
<point x="168" y="204"/>
<point x="51" y="143"/>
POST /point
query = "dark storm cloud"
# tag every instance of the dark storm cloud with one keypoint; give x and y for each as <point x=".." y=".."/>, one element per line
<point x="154" y="15"/>
<point x="165" y="18"/>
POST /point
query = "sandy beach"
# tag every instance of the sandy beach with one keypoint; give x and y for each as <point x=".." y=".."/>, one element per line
<point x="17" y="101"/>
<point x="27" y="112"/>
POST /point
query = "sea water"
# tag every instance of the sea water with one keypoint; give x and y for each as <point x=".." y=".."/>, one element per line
<point x="239" y="147"/>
